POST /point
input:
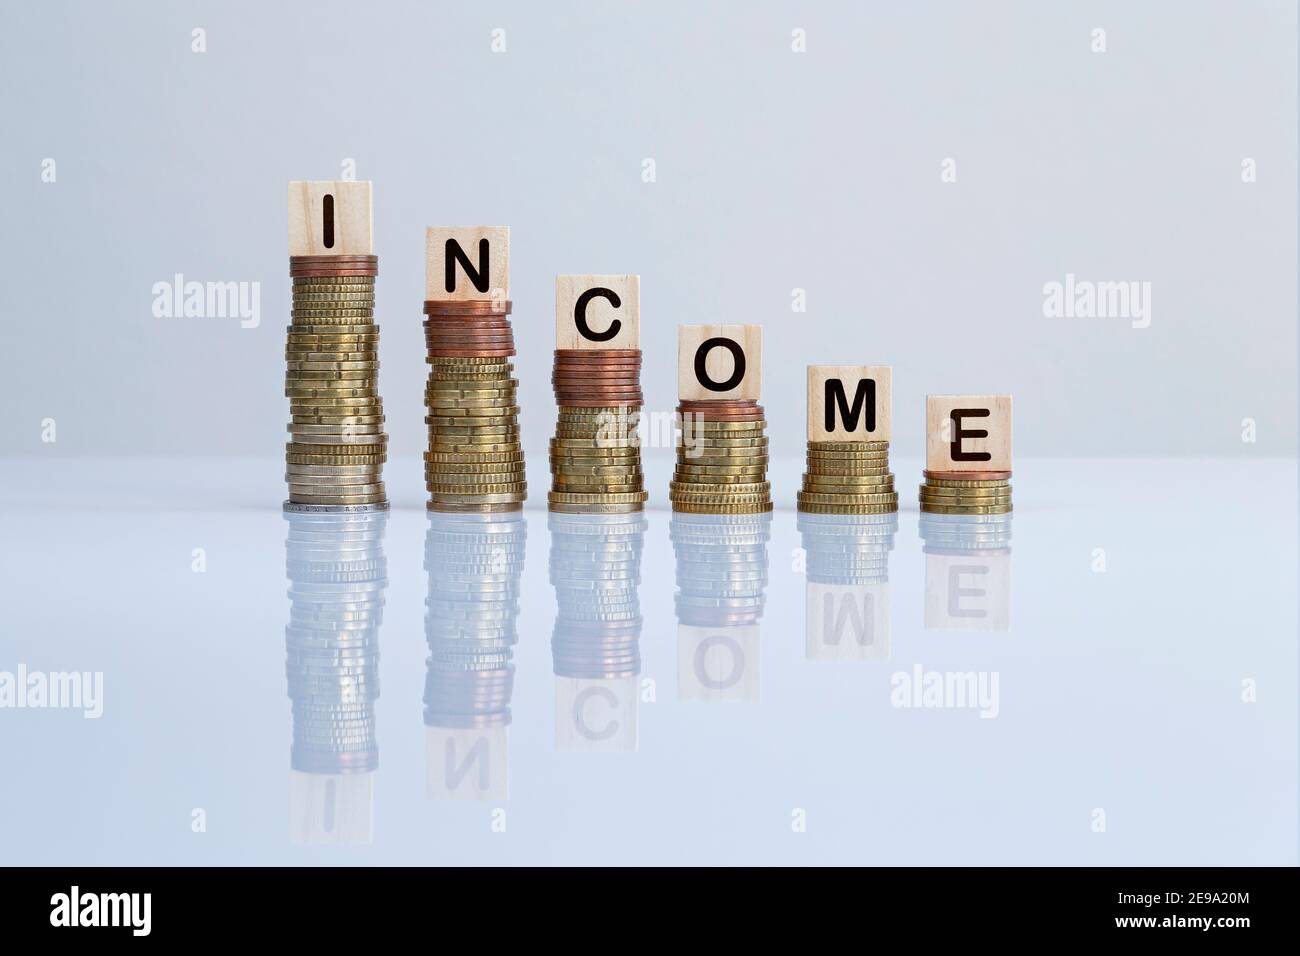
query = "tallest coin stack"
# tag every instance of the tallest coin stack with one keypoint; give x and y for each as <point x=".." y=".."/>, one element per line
<point x="475" y="462"/>
<point x="335" y="456"/>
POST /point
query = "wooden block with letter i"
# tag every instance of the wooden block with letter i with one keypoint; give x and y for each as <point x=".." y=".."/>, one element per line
<point x="849" y="402"/>
<point x="597" y="312"/>
<point x="467" y="263"/>
<point x="719" y="362"/>
<point x="967" y="433"/>
<point x="331" y="219"/>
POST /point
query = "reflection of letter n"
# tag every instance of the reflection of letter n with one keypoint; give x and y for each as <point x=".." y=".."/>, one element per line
<point x="477" y="753"/>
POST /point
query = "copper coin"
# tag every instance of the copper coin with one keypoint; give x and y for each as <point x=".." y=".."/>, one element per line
<point x="471" y="307"/>
<point x="333" y="266"/>
<point x="969" y="475"/>
<point x="467" y="322"/>
<point x="694" y="404"/>
<point x="612" y="353"/>
<point x="471" y="353"/>
<point x="601" y="403"/>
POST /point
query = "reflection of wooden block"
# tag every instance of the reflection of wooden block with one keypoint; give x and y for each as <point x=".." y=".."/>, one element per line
<point x="597" y="312"/>
<point x="464" y="263"/>
<point x="968" y="432"/>
<point x="968" y="592"/>
<point x="717" y="663"/>
<point x="846" y="621"/>
<point x="331" y="219"/>
<point x="331" y="808"/>
<point x="465" y="764"/>
<point x="850" y="402"/>
<point x="710" y="357"/>
<point x="595" y="715"/>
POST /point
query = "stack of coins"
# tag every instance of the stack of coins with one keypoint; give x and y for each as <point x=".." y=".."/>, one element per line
<point x="721" y="567"/>
<point x="966" y="493"/>
<point x="596" y="454"/>
<point x="337" y="576"/>
<point x="721" y="458"/>
<point x="848" y="478"/>
<point x="851" y="548"/>
<point x="335" y="458"/>
<point x="475" y="462"/>
<point x="596" y="569"/>
<point x="474" y="562"/>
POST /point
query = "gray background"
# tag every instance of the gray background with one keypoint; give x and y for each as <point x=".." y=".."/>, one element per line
<point x="775" y="170"/>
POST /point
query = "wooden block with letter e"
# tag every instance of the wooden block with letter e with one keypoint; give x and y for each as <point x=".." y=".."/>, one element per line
<point x="719" y="361"/>
<point x="597" y="312"/>
<point x="849" y="402"/>
<point x="967" y="433"/>
<point x="331" y="219"/>
<point x="467" y="263"/>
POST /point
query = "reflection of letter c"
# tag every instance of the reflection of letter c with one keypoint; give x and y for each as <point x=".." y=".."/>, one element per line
<point x="579" y="722"/>
<point x="702" y="355"/>
<point x="737" y="657"/>
<point x="580" y="314"/>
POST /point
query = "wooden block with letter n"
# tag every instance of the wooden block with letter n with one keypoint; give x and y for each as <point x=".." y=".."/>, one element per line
<point x="331" y="219"/>
<point x="597" y="312"/>
<point x="719" y="361"/>
<point x="968" y="433"/>
<point x="849" y="403"/>
<point x="467" y="263"/>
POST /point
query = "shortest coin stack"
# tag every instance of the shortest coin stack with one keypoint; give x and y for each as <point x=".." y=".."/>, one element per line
<point x="966" y="493"/>
<point x="596" y="453"/>
<point x="721" y="458"/>
<point x="848" y="478"/>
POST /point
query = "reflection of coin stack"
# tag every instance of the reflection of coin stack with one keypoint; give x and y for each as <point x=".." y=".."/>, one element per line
<point x="847" y="591"/>
<point x="334" y="460"/>
<point x="474" y="563"/>
<point x="967" y="570"/>
<point x="475" y="461"/>
<point x="596" y="454"/>
<point x="596" y="568"/>
<point x="721" y="458"/>
<point x="337" y="575"/>
<point x="721" y="583"/>
<point x="848" y="478"/>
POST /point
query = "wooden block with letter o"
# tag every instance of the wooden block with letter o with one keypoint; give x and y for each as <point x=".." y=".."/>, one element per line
<point x="849" y="402"/>
<point x="719" y="361"/>
<point x="597" y="312"/>
<point x="968" y="432"/>
<point x="331" y="219"/>
<point x="467" y="263"/>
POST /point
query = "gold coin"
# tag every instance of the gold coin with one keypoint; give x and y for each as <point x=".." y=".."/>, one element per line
<point x="497" y="488"/>
<point x="968" y="483"/>
<point x="930" y="508"/>
<point x="567" y="498"/>
<point x="878" y="446"/>
<point x="487" y="499"/>
<point x="857" y="499"/>
<point x="472" y="459"/>
<point x="749" y="508"/>
<point x="848" y="509"/>
<point x="971" y="493"/>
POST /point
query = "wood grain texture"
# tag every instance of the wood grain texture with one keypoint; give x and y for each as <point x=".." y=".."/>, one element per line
<point x="853" y="381"/>
<point x="949" y="444"/>
<point x="353" y="219"/>
<point x="487" y="276"/>
<point x="599" y="312"/>
<point x="720" y="362"/>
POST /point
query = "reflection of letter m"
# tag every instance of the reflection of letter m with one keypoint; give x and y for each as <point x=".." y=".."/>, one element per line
<point x="476" y="754"/>
<point x="863" y="618"/>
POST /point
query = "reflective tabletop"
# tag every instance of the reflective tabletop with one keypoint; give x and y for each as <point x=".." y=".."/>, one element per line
<point x="1107" y="676"/>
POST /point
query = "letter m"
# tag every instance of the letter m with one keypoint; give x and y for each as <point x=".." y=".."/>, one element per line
<point x="864" y="402"/>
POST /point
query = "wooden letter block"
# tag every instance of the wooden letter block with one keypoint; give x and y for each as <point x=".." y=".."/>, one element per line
<point x="849" y="402"/>
<point x="719" y="361"/>
<point x="331" y="219"/>
<point x="968" y="432"/>
<point x="968" y="592"/>
<point x="467" y="263"/>
<point x="597" y="312"/>
<point x="466" y="763"/>
<point x="846" y="621"/>
<point x="717" y="663"/>
<point x="595" y="715"/>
